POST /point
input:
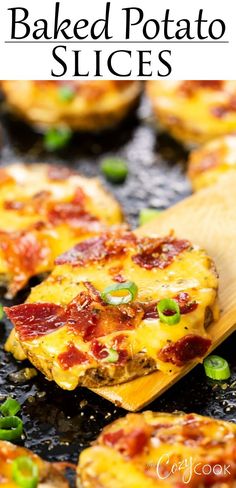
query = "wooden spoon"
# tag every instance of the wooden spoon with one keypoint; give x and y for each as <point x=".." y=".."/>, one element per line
<point x="208" y="219"/>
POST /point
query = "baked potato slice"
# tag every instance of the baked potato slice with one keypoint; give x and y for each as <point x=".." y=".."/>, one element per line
<point x="79" y="105"/>
<point x="194" y="111"/>
<point x="44" y="210"/>
<point x="208" y="163"/>
<point x="76" y="335"/>
<point x="161" y="450"/>
<point x="49" y="475"/>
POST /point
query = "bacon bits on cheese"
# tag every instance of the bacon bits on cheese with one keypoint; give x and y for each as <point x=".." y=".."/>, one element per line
<point x="80" y="105"/>
<point x="50" y="476"/>
<point x="194" y="111"/>
<point x="208" y="163"/>
<point x="68" y="331"/>
<point x="161" y="450"/>
<point x="44" y="210"/>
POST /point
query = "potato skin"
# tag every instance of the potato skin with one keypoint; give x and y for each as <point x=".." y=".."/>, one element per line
<point x="132" y="451"/>
<point x="50" y="475"/>
<point x="96" y="105"/>
<point x="211" y="161"/>
<point x="194" y="111"/>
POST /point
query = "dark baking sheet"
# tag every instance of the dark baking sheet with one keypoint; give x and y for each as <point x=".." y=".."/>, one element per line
<point x="58" y="424"/>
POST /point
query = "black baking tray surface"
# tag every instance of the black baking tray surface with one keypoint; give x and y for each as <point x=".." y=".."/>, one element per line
<point x="59" y="424"/>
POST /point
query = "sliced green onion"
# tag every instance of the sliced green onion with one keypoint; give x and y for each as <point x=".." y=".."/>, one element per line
<point x="1" y="311"/>
<point x="57" y="138"/>
<point x="25" y="472"/>
<point x="216" y="368"/>
<point x="11" y="428"/>
<point x="10" y="407"/>
<point x="168" y="311"/>
<point x="114" y="169"/>
<point x="147" y="214"/>
<point x="120" y="293"/>
<point x="66" y="93"/>
<point x="113" y="356"/>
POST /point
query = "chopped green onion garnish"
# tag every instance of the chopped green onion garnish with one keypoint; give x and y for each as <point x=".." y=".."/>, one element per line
<point x="120" y="293"/>
<point x="147" y="214"/>
<point x="216" y="368"/>
<point x="10" y="407"/>
<point x="57" y="138"/>
<point x="11" y="428"/>
<point x="1" y="311"/>
<point x="168" y="311"/>
<point x="114" y="169"/>
<point x="113" y="356"/>
<point x="66" y="93"/>
<point x="25" y="472"/>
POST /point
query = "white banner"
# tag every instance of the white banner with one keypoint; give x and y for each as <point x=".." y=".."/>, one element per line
<point x="123" y="39"/>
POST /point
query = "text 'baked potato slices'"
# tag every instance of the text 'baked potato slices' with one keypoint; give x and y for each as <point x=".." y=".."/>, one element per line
<point x="155" y="450"/>
<point x="17" y="464"/>
<point x="95" y="322"/>
<point x="44" y="210"/>
<point x="208" y="163"/>
<point x="79" y="105"/>
<point x="194" y="111"/>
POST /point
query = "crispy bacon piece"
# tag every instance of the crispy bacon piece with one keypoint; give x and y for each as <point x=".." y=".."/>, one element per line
<point x="92" y="319"/>
<point x="97" y="249"/>
<point x="185" y="349"/>
<point x="72" y="357"/>
<point x="86" y="315"/>
<point x="189" y="87"/>
<point x="33" y="320"/>
<point x="100" y="351"/>
<point x="222" y="110"/>
<point x="23" y="252"/>
<point x="159" y="253"/>
<point x="129" y="444"/>
<point x="186" y="305"/>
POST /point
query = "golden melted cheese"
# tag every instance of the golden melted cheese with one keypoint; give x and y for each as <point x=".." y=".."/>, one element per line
<point x="31" y="235"/>
<point x="49" y="477"/>
<point x="208" y="163"/>
<point x="191" y="272"/>
<point x="94" y="105"/>
<point x="177" y="451"/>
<point x="194" y="111"/>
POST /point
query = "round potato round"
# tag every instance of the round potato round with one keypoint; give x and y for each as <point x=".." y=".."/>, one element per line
<point x="71" y="333"/>
<point x="208" y="163"/>
<point x="194" y="111"/>
<point x="50" y="476"/>
<point x="160" y="449"/>
<point x="44" y="210"/>
<point x="79" y="105"/>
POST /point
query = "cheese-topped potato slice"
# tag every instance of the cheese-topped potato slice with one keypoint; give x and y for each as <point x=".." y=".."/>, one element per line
<point x="161" y="450"/>
<point x="194" y="111"/>
<point x="49" y="475"/>
<point x="208" y="163"/>
<point x="44" y="210"/>
<point x="72" y="333"/>
<point x="80" y="105"/>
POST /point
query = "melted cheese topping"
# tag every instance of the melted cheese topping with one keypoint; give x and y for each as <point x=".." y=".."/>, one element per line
<point x="194" y="112"/>
<point x="9" y="452"/>
<point x="94" y="105"/>
<point x="208" y="163"/>
<point x="190" y="272"/>
<point x="176" y="451"/>
<point x="31" y="237"/>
